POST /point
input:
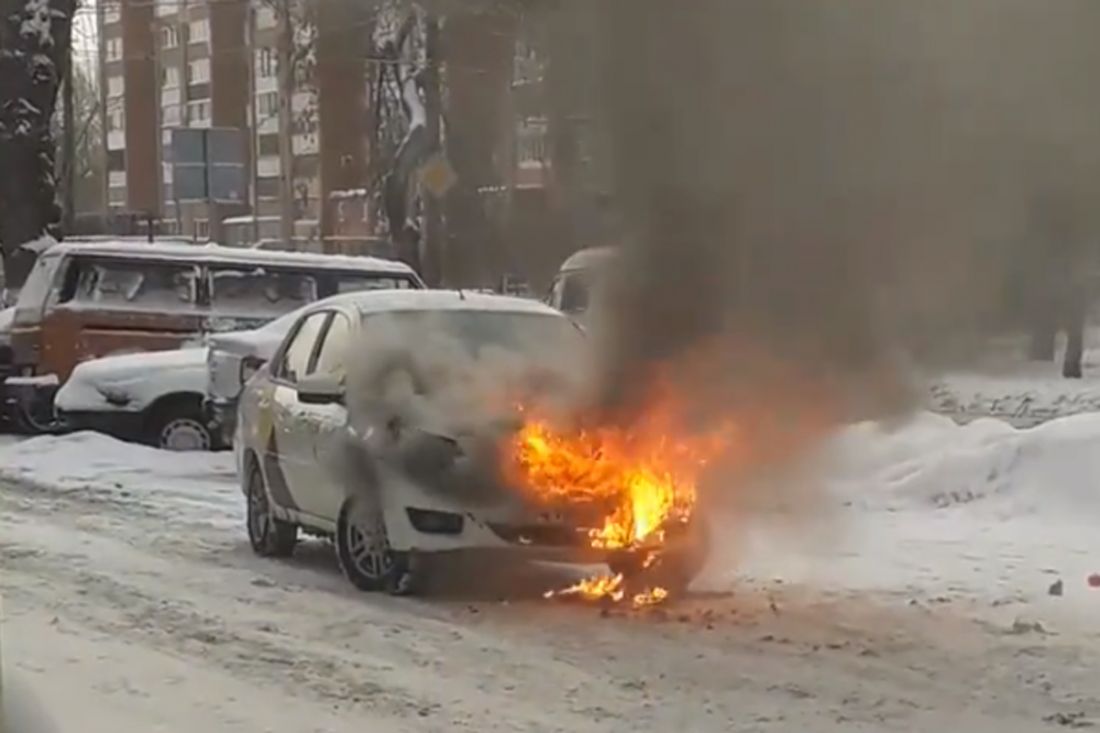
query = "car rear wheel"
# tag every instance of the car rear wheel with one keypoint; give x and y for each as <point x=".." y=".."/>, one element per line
<point x="269" y="537"/>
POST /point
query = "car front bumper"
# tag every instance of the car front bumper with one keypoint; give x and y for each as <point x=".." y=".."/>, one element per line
<point x="221" y="416"/>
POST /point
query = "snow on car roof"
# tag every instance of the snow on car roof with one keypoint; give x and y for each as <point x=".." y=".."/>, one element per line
<point x="214" y="253"/>
<point x="381" y="301"/>
<point x="589" y="258"/>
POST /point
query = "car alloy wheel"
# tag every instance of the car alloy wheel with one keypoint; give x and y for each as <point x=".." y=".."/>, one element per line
<point x="362" y="546"/>
<point x="268" y="536"/>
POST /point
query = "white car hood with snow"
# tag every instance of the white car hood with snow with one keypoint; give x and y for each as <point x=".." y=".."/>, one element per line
<point x="132" y="382"/>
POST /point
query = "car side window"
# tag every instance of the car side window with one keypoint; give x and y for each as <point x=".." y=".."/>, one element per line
<point x="295" y="361"/>
<point x="334" y="348"/>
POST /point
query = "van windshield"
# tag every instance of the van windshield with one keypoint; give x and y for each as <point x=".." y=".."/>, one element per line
<point x="32" y="296"/>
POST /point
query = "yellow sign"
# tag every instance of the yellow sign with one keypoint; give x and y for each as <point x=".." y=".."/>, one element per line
<point x="437" y="176"/>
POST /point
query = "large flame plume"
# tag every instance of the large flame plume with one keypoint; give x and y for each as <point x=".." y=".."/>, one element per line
<point x="641" y="481"/>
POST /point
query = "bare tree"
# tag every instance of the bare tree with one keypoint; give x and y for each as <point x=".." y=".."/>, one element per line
<point x="35" y="36"/>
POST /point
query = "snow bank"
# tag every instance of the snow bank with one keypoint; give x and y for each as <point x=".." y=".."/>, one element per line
<point x="933" y="462"/>
<point x="1024" y="399"/>
<point x="199" y="487"/>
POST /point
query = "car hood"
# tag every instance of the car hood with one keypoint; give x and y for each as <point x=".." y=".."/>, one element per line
<point x="261" y="342"/>
<point x="145" y="364"/>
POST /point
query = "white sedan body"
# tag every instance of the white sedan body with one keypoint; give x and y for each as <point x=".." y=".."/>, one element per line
<point x="317" y="444"/>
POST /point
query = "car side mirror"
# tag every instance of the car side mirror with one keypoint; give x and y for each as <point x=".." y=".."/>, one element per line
<point x="321" y="389"/>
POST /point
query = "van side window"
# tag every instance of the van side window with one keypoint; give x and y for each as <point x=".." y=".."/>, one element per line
<point x="135" y="283"/>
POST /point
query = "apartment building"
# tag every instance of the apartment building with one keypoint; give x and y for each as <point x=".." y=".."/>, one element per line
<point x="167" y="64"/>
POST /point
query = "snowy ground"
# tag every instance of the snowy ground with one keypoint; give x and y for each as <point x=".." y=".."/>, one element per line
<point x="913" y="597"/>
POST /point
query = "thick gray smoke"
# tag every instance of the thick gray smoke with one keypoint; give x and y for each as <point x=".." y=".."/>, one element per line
<point x="822" y="186"/>
<point x="431" y="386"/>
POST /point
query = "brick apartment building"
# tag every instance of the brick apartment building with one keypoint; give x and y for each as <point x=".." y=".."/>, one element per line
<point x="167" y="64"/>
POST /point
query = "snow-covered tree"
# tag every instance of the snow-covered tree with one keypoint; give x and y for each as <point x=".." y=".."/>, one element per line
<point x="34" y="45"/>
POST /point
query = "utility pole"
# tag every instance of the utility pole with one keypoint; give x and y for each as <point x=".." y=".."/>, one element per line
<point x="69" y="219"/>
<point x="253" y="123"/>
<point x="284" y="53"/>
<point x="433" y="249"/>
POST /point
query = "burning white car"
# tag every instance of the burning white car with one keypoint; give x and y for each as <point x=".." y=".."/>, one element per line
<point x="397" y="424"/>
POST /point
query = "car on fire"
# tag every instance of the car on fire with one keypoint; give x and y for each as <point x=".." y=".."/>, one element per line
<point x="375" y="425"/>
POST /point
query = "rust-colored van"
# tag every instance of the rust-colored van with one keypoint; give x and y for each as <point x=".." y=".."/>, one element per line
<point x="87" y="300"/>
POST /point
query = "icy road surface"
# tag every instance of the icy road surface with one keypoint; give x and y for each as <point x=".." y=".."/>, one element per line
<point x="915" y="599"/>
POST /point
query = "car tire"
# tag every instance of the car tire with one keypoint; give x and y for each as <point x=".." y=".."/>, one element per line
<point x="269" y="537"/>
<point x="674" y="569"/>
<point x="179" y="425"/>
<point x="362" y="548"/>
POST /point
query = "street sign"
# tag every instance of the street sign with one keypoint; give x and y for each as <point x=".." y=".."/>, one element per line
<point x="208" y="164"/>
<point x="438" y="176"/>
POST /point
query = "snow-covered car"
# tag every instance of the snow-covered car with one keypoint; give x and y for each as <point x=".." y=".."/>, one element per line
<point x="231" y="359"/>
<point x="153" y="397"/>
<point x="377" y="423"/>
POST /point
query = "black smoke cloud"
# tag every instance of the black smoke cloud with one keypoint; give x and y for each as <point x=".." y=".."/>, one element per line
<point x="830" y="186"/>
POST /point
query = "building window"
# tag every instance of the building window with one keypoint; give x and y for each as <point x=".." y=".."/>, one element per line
<point x="170" y="77"/>
<point x="116" y="86"/>
<point x="199" y="71"/>
<point x="269" y="144"/>
<point x="265" y="17"/>
<point x="115" y="120"/>
<point x="169" y="37"/>
<point x="170" y="115"/>
<point x="268" y="104"/>
<point x="116" y="160"/>
<point x="112" y="13"/>
<point x="198" y="31"/>
<point x="531" y="141"/>
<point x="114" y="49"/>
<point x="267" y="188"/>
<point x="198" y="111"/>
<point x="269" y="65"/>
<point x="202" y="230"/>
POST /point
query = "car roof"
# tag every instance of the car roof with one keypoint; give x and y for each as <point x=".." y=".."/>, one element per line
<point x="587" y="259"/>
<point x="388" y="301"/>
<point x="214" y="253"/>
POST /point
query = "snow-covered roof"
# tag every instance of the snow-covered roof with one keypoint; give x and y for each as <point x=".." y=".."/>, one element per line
<point x="380" y="301"/>
<point x="213" y="253"/>
<point x="587" y="259"/>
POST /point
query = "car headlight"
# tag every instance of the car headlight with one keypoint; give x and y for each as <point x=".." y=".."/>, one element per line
<point x="249" y="366"/>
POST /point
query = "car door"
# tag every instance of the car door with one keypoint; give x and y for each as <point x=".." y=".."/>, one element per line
<point x="290" y="448"/>
<point x="330" y="459"/>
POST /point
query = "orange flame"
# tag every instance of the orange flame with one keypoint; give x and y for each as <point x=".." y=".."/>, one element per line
<point x="639" y="481"/>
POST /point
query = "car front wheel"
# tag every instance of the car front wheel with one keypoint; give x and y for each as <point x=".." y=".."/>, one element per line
<point x="673" y="569"/>
<point x="363" y="550"/>
<point x="269" y="537"/>
<point x="178" y="425"/>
